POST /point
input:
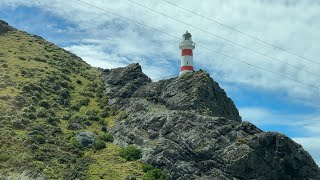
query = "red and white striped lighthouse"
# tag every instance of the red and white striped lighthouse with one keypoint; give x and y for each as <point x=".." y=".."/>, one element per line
<point x="186" y="47"/>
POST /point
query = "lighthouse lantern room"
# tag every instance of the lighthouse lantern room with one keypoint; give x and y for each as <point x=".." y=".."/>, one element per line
<point x="186" y="47"/>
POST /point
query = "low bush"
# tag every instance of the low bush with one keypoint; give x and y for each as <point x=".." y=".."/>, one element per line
<point x="44" y="104"/>
<point x="41" y="112"/>
<point x="106" y="137"/>
<point x="79" y="81"/>
<point x="66" y="116"/>
<point x="75" y="143"/>
<point x="105" y="112"/>
<point x="52" y="120"/>
<point x="155" y="174"/>
<point x="146" y="167"/>
<point x="99" y="144"/>
<point x="40" y="139"/>
<point x="4" y="157"/>
<point x="92" y="115"/>
<point x="130" y="153"/>
<point x="104" y="101"/>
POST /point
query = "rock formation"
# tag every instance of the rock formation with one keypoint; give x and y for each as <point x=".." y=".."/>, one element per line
<point x="191" y="129"/>
<point x="4" y="27"/>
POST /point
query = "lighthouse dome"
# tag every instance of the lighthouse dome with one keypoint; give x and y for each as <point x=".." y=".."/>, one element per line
<point x="187" y="36"/>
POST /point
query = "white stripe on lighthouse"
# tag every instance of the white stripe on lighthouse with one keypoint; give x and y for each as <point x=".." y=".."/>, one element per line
<point x="186" y="61"/>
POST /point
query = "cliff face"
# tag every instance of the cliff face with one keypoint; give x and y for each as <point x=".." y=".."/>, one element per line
<point x="191" y="129"/>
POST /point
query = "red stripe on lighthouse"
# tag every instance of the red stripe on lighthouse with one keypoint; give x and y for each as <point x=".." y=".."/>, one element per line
<point x="190" y="68"/>
<point x="186" y="52"/>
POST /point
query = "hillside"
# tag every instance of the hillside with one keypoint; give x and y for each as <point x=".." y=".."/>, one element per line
<point x="60" y="118"/>
<point x="49" y="98"/>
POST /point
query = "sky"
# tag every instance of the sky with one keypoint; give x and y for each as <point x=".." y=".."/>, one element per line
<point x="270" y="101"/>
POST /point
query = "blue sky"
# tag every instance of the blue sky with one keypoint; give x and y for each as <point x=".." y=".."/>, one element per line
<point x="271" y="102"/>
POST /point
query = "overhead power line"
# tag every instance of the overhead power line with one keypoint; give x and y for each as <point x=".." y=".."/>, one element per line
<point x="204" y="47"/>
<point x="241" y="32"/>
<point x="225" y="39"/>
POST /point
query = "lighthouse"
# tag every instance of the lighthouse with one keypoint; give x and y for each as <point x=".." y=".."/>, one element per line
<point x="186" y="47"/>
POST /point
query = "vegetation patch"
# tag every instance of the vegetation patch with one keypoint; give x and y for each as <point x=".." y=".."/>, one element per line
<point x="130" y="153"/>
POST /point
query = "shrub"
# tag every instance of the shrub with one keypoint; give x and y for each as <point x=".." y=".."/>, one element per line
<point x="22" y="58"/>
<point x="66" y="116"/>
<point x="130" y="153"/>
<point x="87" y="123"/>
<point x="92" y="115"/>
<point x="19" y="101"/>
<point x="76" y="107"/>
<point x="74" y="126"/>
<point x="4" y="157"/>
<point x="39" y="139"/>
<point x="20" y="122"/>
<point x="104" y="101"/>
<point x="79" y="81"/>
<point x="52" y="120"/>
<point x="105" y="112"/>
<point x="75" y="143"/>
<point x="99" y="144"/>
<point x="41" y="112"/>
<point x="106" y="137"/>
<point x="83" y="102"/>
<point x="154" y="174"/>
<point x="44" y="104"/>
<point x="39" y="155"/>
<point x="64" y="97"/>
<point x="100" y="90"/>
<point x="86" y="94"/>
<point x="104" y="129"/>
<point x="102" y="122"/>
<point x="79" y="103"/>
<point x="146" y="167"/>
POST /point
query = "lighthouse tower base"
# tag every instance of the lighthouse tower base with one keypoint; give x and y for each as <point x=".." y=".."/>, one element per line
<point x="185" y="72"/>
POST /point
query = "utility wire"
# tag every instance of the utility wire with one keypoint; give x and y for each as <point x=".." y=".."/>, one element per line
<point x="152" y="28"/>
<point x="241" y="32"/>
<point x="225" y="39"/>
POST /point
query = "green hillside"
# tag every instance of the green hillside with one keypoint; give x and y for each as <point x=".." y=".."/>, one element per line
<point x="48" y="96"/>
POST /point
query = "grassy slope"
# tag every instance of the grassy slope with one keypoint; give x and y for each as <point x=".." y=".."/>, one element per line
<point x="42" y="89"/>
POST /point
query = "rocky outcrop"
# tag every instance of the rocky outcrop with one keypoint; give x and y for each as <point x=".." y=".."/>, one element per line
<point x="193" y="92"/>
<point x="4" y="27"/>
<point x="191" y="129"/>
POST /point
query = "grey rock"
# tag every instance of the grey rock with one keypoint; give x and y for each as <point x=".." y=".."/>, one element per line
<point x="87" y="139"/>
<point x="4" y="27"/>
<point x="191" y="129"/>
<point x="123" y="82"/>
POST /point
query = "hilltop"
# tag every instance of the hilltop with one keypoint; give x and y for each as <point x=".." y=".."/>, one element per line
<point x="60" y="118"/>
